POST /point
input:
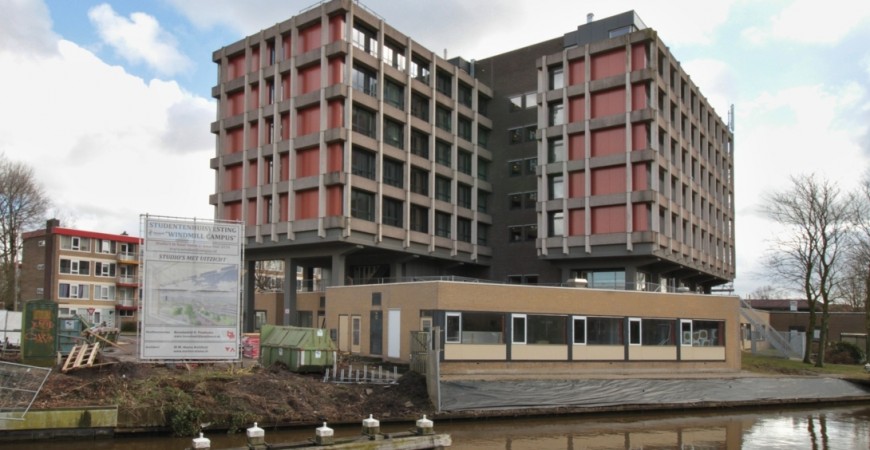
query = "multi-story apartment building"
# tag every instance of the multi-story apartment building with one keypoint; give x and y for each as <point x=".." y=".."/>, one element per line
<point x="345" y="145"/>
<point x="89" y="274"/>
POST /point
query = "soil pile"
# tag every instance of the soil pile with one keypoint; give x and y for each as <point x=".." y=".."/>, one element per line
<point x="230" y="397"/>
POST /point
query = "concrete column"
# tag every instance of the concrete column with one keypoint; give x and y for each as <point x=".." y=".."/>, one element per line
<point x="249" y="283"/>
<point x="338" y="277"/>
<point x="290" y="315"/>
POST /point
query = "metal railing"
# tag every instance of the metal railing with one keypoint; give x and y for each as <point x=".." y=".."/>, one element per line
<point x="782" y="345"/>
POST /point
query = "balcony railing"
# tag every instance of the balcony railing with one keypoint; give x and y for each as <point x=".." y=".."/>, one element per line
<point x="128" y="279"/>
<point x="128" y="256"/>
<point x="127" y="302"/>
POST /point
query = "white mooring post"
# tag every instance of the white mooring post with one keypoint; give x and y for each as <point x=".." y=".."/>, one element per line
<point x="371" y="426"/>
<point x="425" y="426"/>
<point x="324" y="435"/>
<point x="256" y="438"/>
<point x="201" y="442"/>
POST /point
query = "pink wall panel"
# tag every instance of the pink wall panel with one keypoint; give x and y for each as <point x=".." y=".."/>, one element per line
<point x="608" y="103"/>
<point x="576" y="222"/>
<point x="308" y="120"/>
<point x="254" y="97"/>
<point x="306" y="204"/>
<point x="233" y="177"/>
<point x="640" y="217"/>
<point x="576" y="109"/>
<point x="255" y="60"/>
<point x="608" y="180"/>
<point x="253" y="135"/>
<point x="576" y="146"/>
<point x="576" y="71"/>
<point x="285" y="86"/>
<point x="307" y="162"/>
<point x="638" y="56"/>
<point x="335" y="118"/>
<point x="235" y="104"/>
<point x="639" y="177"/>
<point x="285" y="126"/>
<point x="608" y="141"/>
<point x="233" y="210"/>
<point x="251" y="213"/>
<point x="283" y="208"/>
<point x="336" y="28"/>
<point x="336" y="70"/>
<point x="235" y="140"/>
<point x="335" y="157"/>
<point x="252" y="173"/>
<point x="639" y="136"/>
<point x="285" y="166"/>
<point x="576" y="184"/>
<point x="287" y="45"/>
<point x="310" y="37"/>
<point x="608" y="64"/>
<point x="235" y="66"/>
<point x="608" y="219"/>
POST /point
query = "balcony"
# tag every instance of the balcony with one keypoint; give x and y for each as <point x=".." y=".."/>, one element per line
<point x="127" y="280"/>
<point x="128" y="257"/>
<point x="127" y="303"/>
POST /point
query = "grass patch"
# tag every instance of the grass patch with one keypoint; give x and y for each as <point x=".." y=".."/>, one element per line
<point x="773" y="365"/>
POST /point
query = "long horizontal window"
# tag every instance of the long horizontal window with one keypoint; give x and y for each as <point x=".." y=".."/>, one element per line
<point x="702" y="333"/>
<point x="605" y="331"/>
<point x="475" y="328"/>
<point x="539" y="329"/>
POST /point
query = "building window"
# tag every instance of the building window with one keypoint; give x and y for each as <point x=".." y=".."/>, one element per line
<point x="463" y="195"/>
<point x="394" y="133"/>
<point x="515" y="168"/>
<point x="515" y="135"/>
<point x="463" y="230"/>
<point x="420" y="144"/>
<point x="419" y="181"/>
<point x="523" y="101"/>
<point x="483" y="137"/>
<point x="557" y="78"/>
<point x="557" y="114"/>
<point x="442" y="118"/>
<point x="483" y="105"/>
<point x="658" y="332"/>
<point x="464" y="95"/>
<point x="362" y="205"/>
<point x="420" y="69"/>
<point x="419" y="218"/>
<point x="392" y="212"/>
<point x="442" y="224"/>
<point x="363" y="163"/>
<point x="482" y="169"/>
<point x="393" y="173"/>
<point x="444" y="83"/>
<point x="482" y="201"/>
<point x="634" y="331"/>
<point x="556" y="222"/>
<point x="365" y="39"/>
<point x="420" y="107"/>
<point x="365" y="80"/>
<point x="463" y="162"/>
<point x="453" y="328"/>
<point x="442" y="153"/>
<point x="364" y="121"/>
<point x="442" y="188"/>
<point x="531" y="165"/>
<point x="482" y="234"/>
<point x="518" y="328"/>
<point x="557" y="187"/>
<point x="555" y="151"/>
<point x="394" y="55"/>
<point x="463" y="128"/>
<point x="515" y="201"/>
<point x="394" y="94"/>
<point x="604" y="331"/>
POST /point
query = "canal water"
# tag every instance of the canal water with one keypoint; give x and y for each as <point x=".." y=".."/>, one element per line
<point x="840" y="428"/>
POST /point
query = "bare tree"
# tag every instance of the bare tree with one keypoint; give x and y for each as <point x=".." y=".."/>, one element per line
<point x="269" y="275"/>
<point x="859" y="256"/>
<point x="766" y="292"/>
<point x="23" y="204"/>
<point x="816" y="217"/>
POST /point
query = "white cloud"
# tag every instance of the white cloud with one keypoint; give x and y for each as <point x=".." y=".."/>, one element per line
<point x="106" y="145"/>
<point x="716" y="81"/>
<point x="809" y="22"/>
<point x="25" y="25"/>
<point x="139" y="39"/>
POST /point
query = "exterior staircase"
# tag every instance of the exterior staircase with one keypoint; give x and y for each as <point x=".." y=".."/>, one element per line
<point x="779" y="343"/>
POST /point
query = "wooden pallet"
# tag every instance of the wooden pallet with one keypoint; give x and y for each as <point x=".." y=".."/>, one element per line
<point x="81" y="356"/>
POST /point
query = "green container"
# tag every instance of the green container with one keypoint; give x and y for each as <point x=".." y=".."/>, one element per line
<point x="300" y="349"/>
<point x="39" y="333"/>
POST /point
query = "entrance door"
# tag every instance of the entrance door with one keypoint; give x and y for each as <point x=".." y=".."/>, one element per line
<point x="376" y="333"/>
<point x="394" y="333"/>
<point x="343" y="333"/>
<point x="355" y="330"/>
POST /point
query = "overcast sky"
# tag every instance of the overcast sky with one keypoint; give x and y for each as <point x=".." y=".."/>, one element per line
<point x="109" y="101"/>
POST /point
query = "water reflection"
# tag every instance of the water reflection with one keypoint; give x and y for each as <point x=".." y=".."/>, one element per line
<point x="840" y="428"/>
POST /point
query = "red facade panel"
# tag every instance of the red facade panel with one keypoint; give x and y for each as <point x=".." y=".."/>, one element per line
<point x="235" y="140"/>
<point x="307" y="162"/>
<point x="336" y="28"/>
<point x="638" y="56"/>
<point x="576" y="109"/>
<point x="308" y="120"/>
<point x="576" y="146"/>
<point x="336" y="70"/>
<point x="335" y="157"/>
<point x="283" y="208"/>
<point x="640" y="177"/>
<point x="287" y="45"/>
<point x="608" y="64"/>
<point x="309" y="79"/>
<point x="608" y="180"/>
<point x="577" y="184"/>
<point x="252" y="173"/>
<point x="310" y="37"/>
<point x="233" y="210"/>
<point x="285" y="166"/>
<point x="333" y="201"/>
<point x="235" y="66"/>
<point x="255" y="59"/>
<point x="285" y="86"/>
<point x="253" y="135"/>
<point x="285" y="126"/>
<point x="608" y="219"/>
<point x="640" y="217"/>
<point x="639" y="96"/>
<point x="254" y="97"/>
<point x="335" y="118"/>
<point x="251" y="213"/>
<point x="639" y="136"/>
<point x="576" y="71"/>
<point x="233" y="177"/>
<point x="235" y="104"/>
<point x="576" y="222"/>
<point x="608" y="103"/>
<point x="306" y="204"/>
<point x="608" y="141"/>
